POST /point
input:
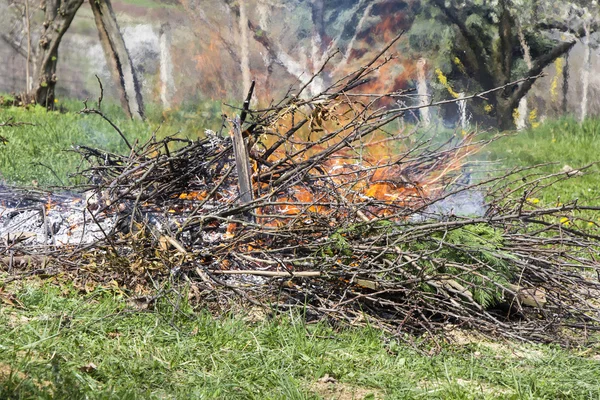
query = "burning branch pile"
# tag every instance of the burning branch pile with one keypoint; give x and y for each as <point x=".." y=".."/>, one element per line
<point x="326" y="203"/>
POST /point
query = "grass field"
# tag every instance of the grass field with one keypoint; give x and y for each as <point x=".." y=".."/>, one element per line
<point x="40" y="152"/>
<point x="58" y="341"/>
<point x="560" y="143"/>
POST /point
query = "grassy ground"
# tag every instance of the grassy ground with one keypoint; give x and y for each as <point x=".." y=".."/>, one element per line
<point x="564" y="142"/>
<point x="40" y="154"/>
<point x="58" y="343"/>
<point x="557" y="146"/>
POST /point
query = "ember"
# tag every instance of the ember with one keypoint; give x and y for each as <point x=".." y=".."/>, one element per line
<point x="325" y="203"/>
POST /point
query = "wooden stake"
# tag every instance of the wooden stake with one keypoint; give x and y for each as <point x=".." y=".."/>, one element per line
<point x="242" y="162"/>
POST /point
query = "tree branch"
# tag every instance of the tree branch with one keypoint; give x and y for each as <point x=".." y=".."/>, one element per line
<point x="539" y="65"/>
<point x="486" y="77"/>
<point x="561" y="26"/>
<point x="14" y="45"/>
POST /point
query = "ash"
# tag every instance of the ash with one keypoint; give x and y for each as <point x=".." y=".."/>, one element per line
<point x="41" y="219"/>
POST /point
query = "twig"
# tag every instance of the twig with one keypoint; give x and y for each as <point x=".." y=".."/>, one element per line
<point x="274" y="274"/>
<point x="101" y="96"/>
<point x="87" y="110"/>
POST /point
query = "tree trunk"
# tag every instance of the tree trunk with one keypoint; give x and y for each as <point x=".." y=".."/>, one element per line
<point x="504" y="114"/>
<point x="118" y="58"/>
<point x="58" y="16"/>
<point x="423" y="92"/>
<point x="523" y="108"/>
<point x="28" y="82"/>
<point x="318" y="34"/>
<point x="565" y="87"/>
<point x="585" y="73"/>
<point x="167" y="86"/>
<point x="244" y="48"/>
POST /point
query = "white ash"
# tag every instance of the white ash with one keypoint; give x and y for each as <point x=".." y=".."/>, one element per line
<point x="64" y="223"/>
<point x="72" y="219"/>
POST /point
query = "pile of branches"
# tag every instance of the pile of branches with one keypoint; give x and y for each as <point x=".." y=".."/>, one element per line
<point x="327" y="203"/>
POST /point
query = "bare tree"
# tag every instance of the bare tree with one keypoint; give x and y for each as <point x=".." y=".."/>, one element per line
<point x="118" y="58"/>
<point x="58" y="16"/>
<point x="41" y="60"/>
<point x="298" y="46"/>
<point x="19" y="34"/>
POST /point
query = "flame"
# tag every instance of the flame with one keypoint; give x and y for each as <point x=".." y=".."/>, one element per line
<point x="374" y="175"/>
<point x="213" y="68"/>
<point x="49" y="204"/>
<point x="194" y="195"/>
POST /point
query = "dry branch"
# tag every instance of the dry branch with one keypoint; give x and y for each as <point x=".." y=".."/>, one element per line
<point x="350" y="220"/>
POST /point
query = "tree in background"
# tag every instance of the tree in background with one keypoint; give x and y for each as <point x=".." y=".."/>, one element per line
<point x="58" y="16"/>
<point x="24" y="25"/>
<point x="293" y="39"/>
<point x="15" y="18"/>
<point x="118" y="59"/>
<point x="482" y="49"/>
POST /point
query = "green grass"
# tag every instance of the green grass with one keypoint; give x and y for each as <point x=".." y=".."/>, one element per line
<point x="50" y="335"/>
<point x="563" y="142"/>
<point x="40" y="152"/>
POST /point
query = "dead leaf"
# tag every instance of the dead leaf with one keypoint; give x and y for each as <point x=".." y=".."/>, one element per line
<point x="327" y="379"/>
<point x="90" y="367"/>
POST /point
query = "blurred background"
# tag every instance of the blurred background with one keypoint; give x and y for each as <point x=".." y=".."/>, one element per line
<point x="189" y="54"/>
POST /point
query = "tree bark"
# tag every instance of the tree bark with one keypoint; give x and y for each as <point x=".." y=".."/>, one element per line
<point x="167" y="86"/>
<point x="523" y="108"/>
<point x="118" y="58"/>
<point x="244" y="47"/>
<point x="585" y="73"/>
<point x="58" y="16"/>
<point x="423" y="92"/>
<point x="565" y="87"/>
<point x="28" y="82"/>
<point x="318" y="33"/>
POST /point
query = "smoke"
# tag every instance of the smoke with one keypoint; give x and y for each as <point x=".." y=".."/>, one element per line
<point x="468" y="203"/>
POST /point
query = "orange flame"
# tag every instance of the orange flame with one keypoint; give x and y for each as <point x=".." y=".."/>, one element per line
<point x="373" y="175"/>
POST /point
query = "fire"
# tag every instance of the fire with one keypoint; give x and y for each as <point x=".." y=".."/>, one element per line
<point x="49" y="204"/>
<point x="194" y="195"/>
<point x="374" y="176"/>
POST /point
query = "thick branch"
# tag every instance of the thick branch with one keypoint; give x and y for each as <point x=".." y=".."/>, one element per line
<point x="485" y="76"/>
<point x="18" y="49"/>
<point x="563" y="27"/>
<point x="539" y="65"/>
